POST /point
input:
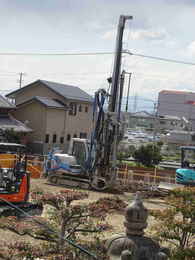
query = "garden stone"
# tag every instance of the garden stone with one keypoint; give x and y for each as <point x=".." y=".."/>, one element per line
<point x="133" y="245"/>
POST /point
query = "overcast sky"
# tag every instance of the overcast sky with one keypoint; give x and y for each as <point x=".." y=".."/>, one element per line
<point x="163" y="28"/>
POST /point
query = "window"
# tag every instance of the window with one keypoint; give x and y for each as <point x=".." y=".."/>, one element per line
<point x="47" y="138"/>
<point x="54" y="138"/>
<point x="86" y="109"/>
<point x="73" y="109"/>
<point x="68" y="137"/>
<point x="80" y="108"/>
<point x="83" y="135"/>
<point x="61" y="139"/>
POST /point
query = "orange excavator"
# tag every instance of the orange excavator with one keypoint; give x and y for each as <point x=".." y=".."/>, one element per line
<point x="14" y="179"/>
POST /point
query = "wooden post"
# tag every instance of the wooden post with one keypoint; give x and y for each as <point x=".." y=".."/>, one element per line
<point x="155" y="173"/>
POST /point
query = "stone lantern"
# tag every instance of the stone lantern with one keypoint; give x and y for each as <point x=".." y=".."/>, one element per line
<point x="133" y="245"/>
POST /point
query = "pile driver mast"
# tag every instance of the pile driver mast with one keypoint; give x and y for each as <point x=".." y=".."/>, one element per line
<point x="107" y="130"/>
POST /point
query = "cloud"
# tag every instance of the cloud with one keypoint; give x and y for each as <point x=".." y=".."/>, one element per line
<point x="149" y="34"/>
<point x="109" y="35"/>
<point x="139" y="34"/>
<point x="191" y="48"/>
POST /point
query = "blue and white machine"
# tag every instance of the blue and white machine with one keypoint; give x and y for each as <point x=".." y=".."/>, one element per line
<point x="186" y="174"/>
<point x="73" y="163"/>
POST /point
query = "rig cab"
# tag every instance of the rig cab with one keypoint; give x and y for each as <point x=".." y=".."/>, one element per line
<point x="186" y="174"/>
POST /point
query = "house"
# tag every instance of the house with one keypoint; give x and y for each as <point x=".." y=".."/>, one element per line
<point x="8" y="122"/>
<point x="141" y="119"/>
<point x="56" y="112"/>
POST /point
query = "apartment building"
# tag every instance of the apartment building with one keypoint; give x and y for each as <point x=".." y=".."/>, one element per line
<point x="177" y="103"/>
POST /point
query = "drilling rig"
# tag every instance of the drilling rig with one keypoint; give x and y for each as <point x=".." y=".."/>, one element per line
<point x="93" y="163"/>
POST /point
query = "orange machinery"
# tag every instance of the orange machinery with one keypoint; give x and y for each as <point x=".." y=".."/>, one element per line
<point x="14" y="178"/>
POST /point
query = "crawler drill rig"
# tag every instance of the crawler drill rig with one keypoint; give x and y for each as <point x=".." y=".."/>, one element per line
<point x="93" y="163"/>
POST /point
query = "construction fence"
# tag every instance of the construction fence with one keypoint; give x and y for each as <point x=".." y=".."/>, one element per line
<point x="126" y="174"/>
<point x="35" y="165"/>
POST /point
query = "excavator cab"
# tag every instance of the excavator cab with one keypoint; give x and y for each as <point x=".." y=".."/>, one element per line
<point x="79" y="148"/>
<point x="186" y="174"/>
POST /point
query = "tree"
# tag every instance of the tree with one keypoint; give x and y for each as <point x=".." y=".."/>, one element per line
<point x="148" y="155"/>
<point x="176" y="224"/>
<point x="125" y="151"/>
<point x="12" y="136"/>
<point x="64" y="221"/>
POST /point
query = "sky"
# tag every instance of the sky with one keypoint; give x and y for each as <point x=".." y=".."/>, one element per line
<point x="161" y="28"/>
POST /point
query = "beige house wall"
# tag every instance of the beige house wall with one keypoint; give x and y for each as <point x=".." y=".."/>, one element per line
<point x="52" y="121"/>
<point x="56" y="124"/>
<point x="36" y="90"/>
<point x="35" y="114"/>
<point x="81" y="122"/>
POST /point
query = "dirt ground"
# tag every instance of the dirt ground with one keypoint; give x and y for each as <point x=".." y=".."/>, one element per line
<point x="114" y="219"/>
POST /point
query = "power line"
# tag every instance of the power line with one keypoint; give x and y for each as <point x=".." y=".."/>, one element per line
<point x="54" y="54"/>
<point x="159" y="58"/>
<point x="94" y="54"/>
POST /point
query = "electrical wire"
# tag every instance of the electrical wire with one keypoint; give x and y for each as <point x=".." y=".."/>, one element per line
<point x="159" y="58"/>
<point x="54" y="54"/>
<point x="48" y="228"/>
<point x="93" y="54"/>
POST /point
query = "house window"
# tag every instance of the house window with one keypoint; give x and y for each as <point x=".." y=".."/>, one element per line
<point x="193" y="138"/>
<point x="54" y="138"/>
<point x="75" y="136"/>
<point x="83" y="135"/>
<point x="73" y="109"/>
<point x="86" y="109"/>
<point x="47" y="138"/>
<point x="61" y="139"/>
<point x="68" y="137"/>
<point x="80" y="108"/>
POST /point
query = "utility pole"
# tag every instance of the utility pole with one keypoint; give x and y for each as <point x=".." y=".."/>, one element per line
<point x="156" y="122"/>
<point x="21" y="74"/>
<point x="127" y="103"/>
<point x="135" y="103"/>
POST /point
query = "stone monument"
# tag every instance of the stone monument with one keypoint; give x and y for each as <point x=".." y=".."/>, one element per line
<point x="133" y="245"/>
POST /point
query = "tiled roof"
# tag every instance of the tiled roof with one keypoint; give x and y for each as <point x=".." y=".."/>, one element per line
<point x="176" y="92"/>
<point x="67" y="91"/>
<point x="49" y="102"/>
<point x="141" y="114"/>
<point x="11" y="123"/>
<point x="4" y="103"/>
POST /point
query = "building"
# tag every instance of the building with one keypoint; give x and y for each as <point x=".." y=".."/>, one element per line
<point x="179" y="138"/>
<point x="56" y="112"/>
<point x="177" y="103"/>
<point x="141" y="119"/>
<point x="168" y="123"/>
<point x="8" y="122"/>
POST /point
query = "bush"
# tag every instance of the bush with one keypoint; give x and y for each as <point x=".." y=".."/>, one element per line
<point x="176" y="224"/>
<point x="148" y="155"/>
<point x="63" y="219"/>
